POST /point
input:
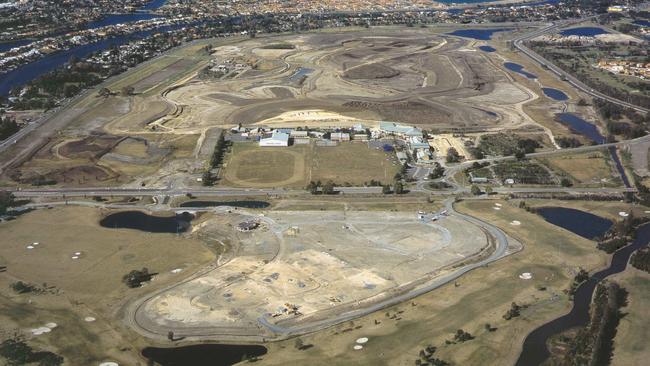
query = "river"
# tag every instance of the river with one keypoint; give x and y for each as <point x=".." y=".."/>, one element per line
<point x="535" y="351"/>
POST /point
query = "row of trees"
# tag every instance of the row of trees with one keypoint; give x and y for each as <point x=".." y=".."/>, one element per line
<point x="216" y="159"/>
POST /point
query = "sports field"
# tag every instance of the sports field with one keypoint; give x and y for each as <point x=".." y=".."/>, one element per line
<point x="249" y="165"/>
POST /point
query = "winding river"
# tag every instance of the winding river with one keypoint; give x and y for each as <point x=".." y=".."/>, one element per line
<point x="535" y="351"/>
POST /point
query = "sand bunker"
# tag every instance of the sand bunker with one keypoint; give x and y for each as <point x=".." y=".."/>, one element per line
<point x="515" y="223"/>
<point x="526" y="276"/>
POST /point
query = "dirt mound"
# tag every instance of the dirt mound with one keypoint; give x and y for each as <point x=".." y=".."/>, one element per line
<point x="371" y="71"/>
<point x="413" y="112"/>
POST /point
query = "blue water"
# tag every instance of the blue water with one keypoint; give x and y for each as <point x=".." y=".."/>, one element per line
<point x="300" y="72"/>
<point x="582" y="127"/>
<point x="4" y="47"/>
<point x="555" y="94"/>
<point x="519" y="69"/>
<point x="480" y="34"/>
<point x="644" y="23"/>
<point x="583" y="31"/>
<point x="28" y="72"/>
<point x="153" y="5"/>
<point x="114" y="19"/>
<point x="590" y="131"/>
<point x="487" y="49"/>
<point x="578" y="222"/>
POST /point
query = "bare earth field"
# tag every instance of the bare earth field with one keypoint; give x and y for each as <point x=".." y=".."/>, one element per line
<point x="249" y="165"/>
<point x="397" y="334"/>
<point x="416" y="76"/>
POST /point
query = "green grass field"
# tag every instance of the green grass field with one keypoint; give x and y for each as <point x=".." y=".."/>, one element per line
<point x="249" y="165"/>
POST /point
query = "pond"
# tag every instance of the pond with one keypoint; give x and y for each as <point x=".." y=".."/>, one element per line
<point x="487" y="48"/>
<point x="139" y="220"/>
<point x="583" y="31"/>
<point x="578" y="222"/>
<point x="244" y="204"/>
<point x="555" y="94"/>
<point x="582" y="127"/>
<point x="519" y="70"/>
<point x="534" y="350"/>
<point x="300" y="72"/>
<point x="202" y="354"/>
<point x="481" y="34"/>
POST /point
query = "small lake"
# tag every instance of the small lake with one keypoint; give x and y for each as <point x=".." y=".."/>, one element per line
<point x="534" y="350"/>
<point x="300" y="72"/>
<point x="244" y="204"/>
<point x="4" y="47"/>
<point x="139" y="220"/>
<point x="555" y="94"/>
<point x="643" y="23"/>
<point x="202" y="354"/>
<point x="584" y="31"/>
<point x="519" y="70"/>
<point x="487" y="48"/>
<point x="582" y="127"/>
<point x="578" y="222"/>
<point x="481" y="34"/>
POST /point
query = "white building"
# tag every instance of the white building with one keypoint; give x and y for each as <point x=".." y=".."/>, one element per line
<point x="276" y="139"/>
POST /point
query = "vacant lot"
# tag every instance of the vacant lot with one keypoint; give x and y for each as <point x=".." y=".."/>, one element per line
<point x="587" y="168"/>
<point x="397" y="334"/>
<point x="295" y="166"/>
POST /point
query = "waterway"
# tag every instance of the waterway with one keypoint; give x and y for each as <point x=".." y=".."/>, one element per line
<point x="555" y="94"/>
<point x="535" y="351"/>
<point x="139" y="220"/>
<point x="519" y="70"/>
<point x="583" y="31"/>
<point x="26" y="73"/>
<point x="202" y="354"/>
<point x="243" y="204"/>
<point x="579" y="222"/>
<point x="480" y="34"/>
<point x="590" y="131"/>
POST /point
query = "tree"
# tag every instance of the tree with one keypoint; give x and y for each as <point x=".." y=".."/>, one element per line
<point x="6" y="201"/>
<point x="476" y="190"/>
<point x="566" y="182"/>
<point x="312" y="187"/>
<point x="127" y="90"/>
<point x="437" y="172"/>
<point x="520" y="155"/>
<point x="299" y="344"/>
<point x="452" y="155"/>
<point x="488" y="190"/>
<point x="207" y="179"/>
<point x="399" y="188"/>
<point x="170" y="335"/>
<point x="385" y="189"/>
<point x="135" y="278"/>
<point x="328" y="188"/>
<point x="104" y="92"/>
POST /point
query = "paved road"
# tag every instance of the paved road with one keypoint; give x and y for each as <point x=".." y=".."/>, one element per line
<point x="519" y="44"/>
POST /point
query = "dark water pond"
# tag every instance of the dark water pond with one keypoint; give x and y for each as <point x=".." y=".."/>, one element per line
<point x="582" y="127"/>
<point x="643" y="23"/>
<point x="590" y="131"/>
<point x="579" y="222"/>
<point x="481" y="34"/>
<point x="519" y="70"/>
<point x="141" y="221"/>
<point x="487" y="48"/>
<point x="583" y="31"/>
<point x="245" y="204"/>
<point x="555" y="94"/>
<point x="202" y="354"/>
<point x="534" y="351"/>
